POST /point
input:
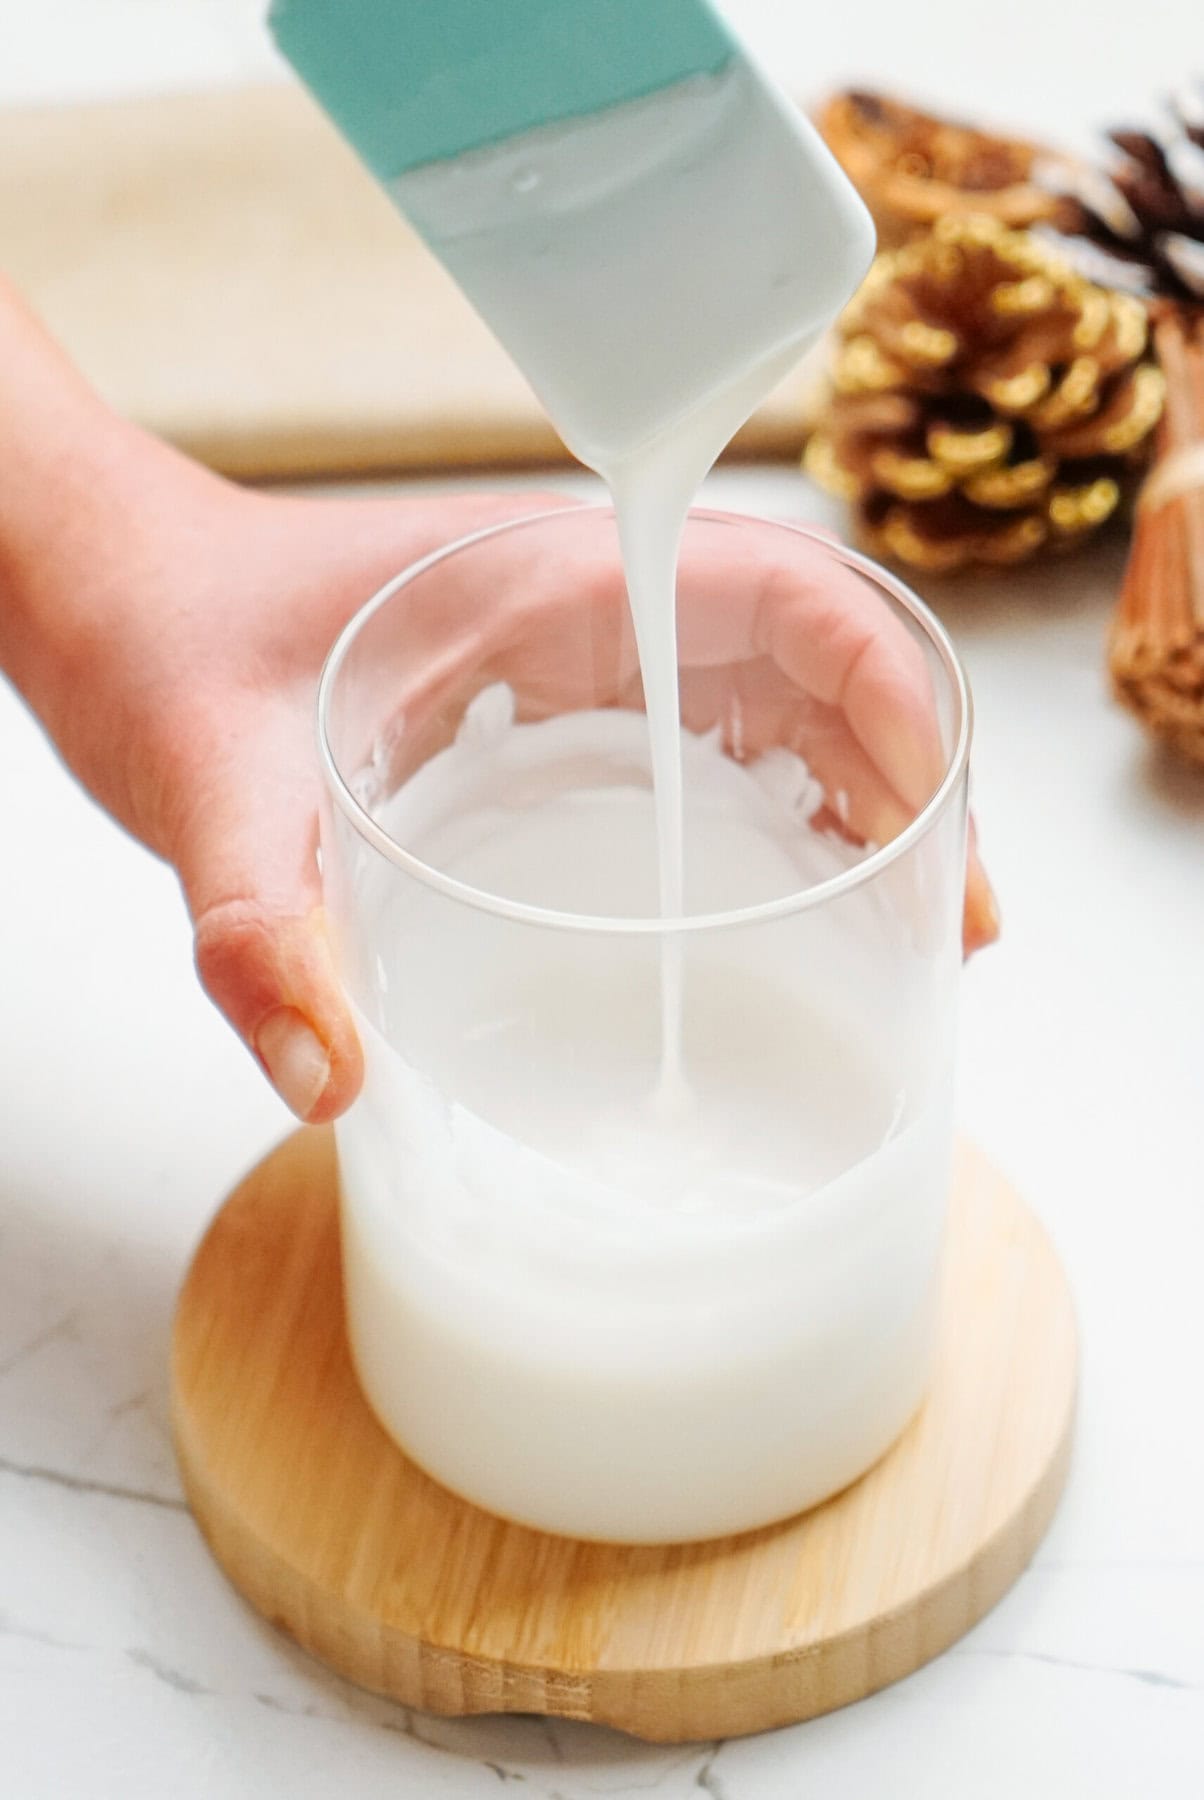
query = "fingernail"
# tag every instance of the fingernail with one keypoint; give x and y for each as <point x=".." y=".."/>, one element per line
<point x="295" y="1058"/>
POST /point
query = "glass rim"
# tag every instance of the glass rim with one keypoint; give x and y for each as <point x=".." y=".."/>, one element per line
<point x="550" y="918"/>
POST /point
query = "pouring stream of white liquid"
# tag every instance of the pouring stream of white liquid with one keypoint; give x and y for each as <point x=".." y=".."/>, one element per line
<point x="652" y="490"/>
<point x="654" y="270"/>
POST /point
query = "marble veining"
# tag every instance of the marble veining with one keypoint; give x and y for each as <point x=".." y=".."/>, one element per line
<point x="1152" y="1677"/>
<point x="80" y="1484"/>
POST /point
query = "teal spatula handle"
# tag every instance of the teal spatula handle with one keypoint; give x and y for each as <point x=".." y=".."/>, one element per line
<point x="414" y="81"/>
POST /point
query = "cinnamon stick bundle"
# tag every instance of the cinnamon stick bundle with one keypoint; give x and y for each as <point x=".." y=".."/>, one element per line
<point x="1156" y="643"/>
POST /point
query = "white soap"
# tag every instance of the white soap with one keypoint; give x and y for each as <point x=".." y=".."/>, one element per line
<point x="575" y="1306"/>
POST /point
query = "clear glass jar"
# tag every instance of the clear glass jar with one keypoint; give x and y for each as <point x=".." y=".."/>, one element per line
<point x="589" y="1291"/>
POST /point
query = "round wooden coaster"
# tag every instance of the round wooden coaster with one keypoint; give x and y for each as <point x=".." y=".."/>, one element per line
<point x="332" y="1534"/>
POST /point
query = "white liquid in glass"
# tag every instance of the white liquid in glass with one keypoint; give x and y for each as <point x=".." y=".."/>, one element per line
<point x="580" y="1308"/>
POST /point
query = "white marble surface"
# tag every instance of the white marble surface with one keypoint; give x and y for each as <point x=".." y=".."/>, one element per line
<point x="127" y="1667"/>
<point x="128" y="1670"/>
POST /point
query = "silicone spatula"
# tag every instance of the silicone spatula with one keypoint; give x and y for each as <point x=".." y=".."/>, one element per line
<point x="619" y="191"/>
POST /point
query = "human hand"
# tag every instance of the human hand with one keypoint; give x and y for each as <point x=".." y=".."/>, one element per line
<point x="169" y="628"/>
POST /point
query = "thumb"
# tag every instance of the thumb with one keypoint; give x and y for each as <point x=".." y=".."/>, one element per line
<point x="247" y="859"/>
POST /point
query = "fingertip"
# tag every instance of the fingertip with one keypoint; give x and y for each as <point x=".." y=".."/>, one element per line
<point x="980" y="920"/>
<point x="275" y="980"/>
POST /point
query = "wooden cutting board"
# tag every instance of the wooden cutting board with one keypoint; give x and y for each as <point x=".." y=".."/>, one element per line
<point x="228" y="274"/>
<point x="338" y="1539"/>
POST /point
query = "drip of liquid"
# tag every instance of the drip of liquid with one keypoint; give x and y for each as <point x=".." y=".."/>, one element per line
<point x="652" y="489"/>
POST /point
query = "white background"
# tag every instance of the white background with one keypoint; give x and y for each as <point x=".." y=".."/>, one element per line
<point x="127" y="1669"/>
<point x="1053" y="69"/>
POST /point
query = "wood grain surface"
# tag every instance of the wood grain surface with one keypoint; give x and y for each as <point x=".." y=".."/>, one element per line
<point x="332" y="1534"/>
<point x="229" y="275"/>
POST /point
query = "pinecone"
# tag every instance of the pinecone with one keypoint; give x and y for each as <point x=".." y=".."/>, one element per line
<point x="912" y="168"/>
<point x="1144" y="213"/>
<point x="987" y="401"/>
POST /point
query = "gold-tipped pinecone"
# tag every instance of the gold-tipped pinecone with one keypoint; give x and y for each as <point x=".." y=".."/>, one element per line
<point x="912" y="168"/>
<point x="987" y="401"/>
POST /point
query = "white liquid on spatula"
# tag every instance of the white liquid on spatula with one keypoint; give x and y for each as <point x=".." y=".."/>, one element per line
<point x="673" y="1276"/>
